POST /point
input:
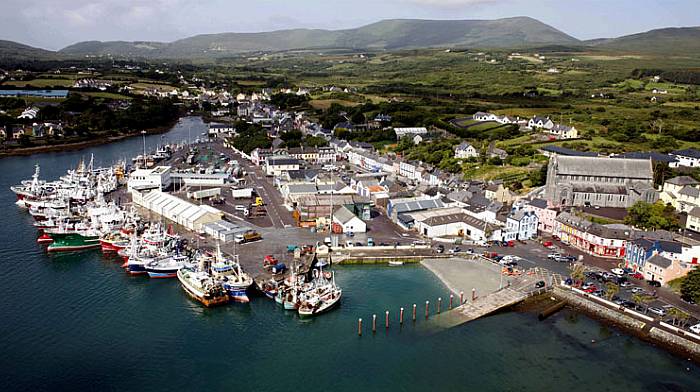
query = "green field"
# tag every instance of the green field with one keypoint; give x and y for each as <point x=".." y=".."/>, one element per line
<point x="39" y="83"/>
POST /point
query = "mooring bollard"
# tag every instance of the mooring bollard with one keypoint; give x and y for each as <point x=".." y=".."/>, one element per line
<point x="387" y="319"/>
<point x="401" y="317"/>
<point x="473" y="295"/>
<point x="451" y="297"/>
<point x="414" y="312"/>
<point x="374" y="323"/>
<point x="461" y="297"/>
<point x="359" y="327"/>
<point x="439" y="304"/>
<point x="427" y="309"/>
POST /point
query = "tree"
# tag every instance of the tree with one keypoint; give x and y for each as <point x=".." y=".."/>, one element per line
<point x="678" y="316"/>
<point x="652" y="216"/>
<point x="577" y="273"/>
<point x="690" y="287"/>
<point x="539" y="177"/>
<point x="642" y="299"/>
<point x="611" y="290"/>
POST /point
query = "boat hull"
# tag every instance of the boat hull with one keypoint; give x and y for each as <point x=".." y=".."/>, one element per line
<point x="67" y="242"/>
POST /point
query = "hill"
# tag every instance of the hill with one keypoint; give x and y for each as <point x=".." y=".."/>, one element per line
<point x="680" y="40"/>
<point x="10" y="50"/>
<point x="387" y="34"/>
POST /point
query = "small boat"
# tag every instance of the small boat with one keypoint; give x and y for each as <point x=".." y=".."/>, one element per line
<point x="395" y="263"/>
<point x="166" y="267"/>
<point x="202" y="287"/>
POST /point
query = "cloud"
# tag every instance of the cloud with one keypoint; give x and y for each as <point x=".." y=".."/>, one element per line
<point x="452" y="3"/>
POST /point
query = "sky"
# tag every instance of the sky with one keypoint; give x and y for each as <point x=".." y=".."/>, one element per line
<point x="53" y="24"/>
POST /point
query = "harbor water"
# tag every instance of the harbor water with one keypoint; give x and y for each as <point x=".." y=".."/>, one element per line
<point x="78" y="322"/>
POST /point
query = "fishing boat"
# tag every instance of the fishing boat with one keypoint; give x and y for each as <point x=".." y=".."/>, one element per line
<point x="269" y="288"/>
<point x="321" y="299"/>
<point x="230" y="274"/>
<point x="114" y="241"/>
<point x="166" y="267"/>
<point x="202" y="287"/>
<point x="73" y="240"/>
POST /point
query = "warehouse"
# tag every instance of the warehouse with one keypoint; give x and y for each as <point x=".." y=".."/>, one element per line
<point x="223" y="231"/>
<point x="182" y="212"/>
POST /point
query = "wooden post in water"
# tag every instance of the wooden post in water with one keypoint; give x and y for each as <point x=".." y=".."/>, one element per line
<point x="387" y="319"/>
<point x="439" y="304"/>
<point x="414" y="312"/>
<point x="451" y="298"/>
<point x="374" y="323"/>
<point x="427" y="309"/>
<point x="461" y="297"/>
<point x="473" y="295"/>
<point x="401" y="317"/>
<point x="359" y="327"/>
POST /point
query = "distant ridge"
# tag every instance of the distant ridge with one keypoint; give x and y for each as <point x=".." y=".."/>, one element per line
<point x="394" y="34"/>
<point x="672" y="40"/>
<point x="385" y="35"/>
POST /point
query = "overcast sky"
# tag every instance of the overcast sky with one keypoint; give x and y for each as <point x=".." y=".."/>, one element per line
<point x="53" y="24"/>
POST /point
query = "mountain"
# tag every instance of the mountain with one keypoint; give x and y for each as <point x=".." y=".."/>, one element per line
<point x="17" y="51"/>
<point x="387" y="34"/>
<point x="677" y="40"/>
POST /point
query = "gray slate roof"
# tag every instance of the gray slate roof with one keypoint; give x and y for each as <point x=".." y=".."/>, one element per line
<point x="683" y="180"/>
<point x="659" y="261"/>
<point x="605" y="167"/>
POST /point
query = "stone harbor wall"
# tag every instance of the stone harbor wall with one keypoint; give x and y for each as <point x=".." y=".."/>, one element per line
<point x="681" y="342"/>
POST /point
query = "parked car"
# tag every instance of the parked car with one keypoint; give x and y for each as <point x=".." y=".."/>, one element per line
<point x="440" y="248"/>
<point x="358" y="244"/>
<point x="625" y="284"/>
<point x="695" y="328"/>
<point x="618" y="271"/>
<point x="553" y="256"/>
<point x="637" y="275"/>
<point x="240" y="207"/>
<point x="654" y="283"/>
<point x="688" y="299"/>
<point x="657" y="311"/>
<point x="456" y="249"/>
<point x="539" y="284"/>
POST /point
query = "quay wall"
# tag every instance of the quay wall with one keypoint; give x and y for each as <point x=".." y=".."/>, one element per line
<point x="681" y="342"/>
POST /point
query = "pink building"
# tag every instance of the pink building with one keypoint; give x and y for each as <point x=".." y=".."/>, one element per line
<point x="546" y="216"/>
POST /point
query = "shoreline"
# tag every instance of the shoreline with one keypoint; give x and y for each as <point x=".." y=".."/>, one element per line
<point x="83" y="144"/>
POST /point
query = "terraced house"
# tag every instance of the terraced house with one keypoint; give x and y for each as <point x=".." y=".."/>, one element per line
<point x="593" y="238"/>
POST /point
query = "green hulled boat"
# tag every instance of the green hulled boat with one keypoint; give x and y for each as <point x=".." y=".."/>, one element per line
<point x="74" y="240"/>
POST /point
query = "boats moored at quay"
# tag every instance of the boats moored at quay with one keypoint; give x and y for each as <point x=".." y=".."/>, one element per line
<point x="75" y="214"/>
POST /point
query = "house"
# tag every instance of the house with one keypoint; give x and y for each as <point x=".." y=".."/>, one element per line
<point x="604" y="182"/>
<point x="521" y="225"/>
<point x="259" y="155"/>
<point x="275" y="166"/>
<point x="29" y="113"/>
<point x="409" y="132"/>
<point x="216" y="129"/>
<point x="655" y="157"/>
<point x="563" y="131"/>
<point x="681" y="192"/>
<point x="608" y="241"/>
<point x="481" y="116"/>
<point x="689" y="157"/>
<point x="496" y="191"/>
<point x="347" y="221"/>
<point x="664" y="270"/>
<point x="693" y="220"/>
<point x="465" y="150"/>
<point x="347" y="125"/>
<point x="545" y="216"/>
<point x="540" y="122"/>
<point x="640" y="250"/>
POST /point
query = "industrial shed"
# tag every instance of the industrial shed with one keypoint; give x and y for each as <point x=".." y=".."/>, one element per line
<point x="223" y="230"/>
<point x="180" y="211"/>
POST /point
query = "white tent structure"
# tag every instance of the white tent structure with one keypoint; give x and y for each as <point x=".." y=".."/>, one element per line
<point x="182" y="212"/>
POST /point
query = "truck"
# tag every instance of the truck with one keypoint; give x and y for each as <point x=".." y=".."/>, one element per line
<point x="248" y="236"/>
<point x="204" y="193"/>
<point x="242" y="193"/>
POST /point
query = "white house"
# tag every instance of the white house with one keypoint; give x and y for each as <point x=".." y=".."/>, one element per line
<point x="540" y="122"/>
<point x="521" y="225"/>
<point x="689" y="157"/>
<point x="563" y="131"/>
<point x="348" y="221"/>
<point x="29" y="113"/>
<point x="275" y="166"/>
<point x="465" y="150"/>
